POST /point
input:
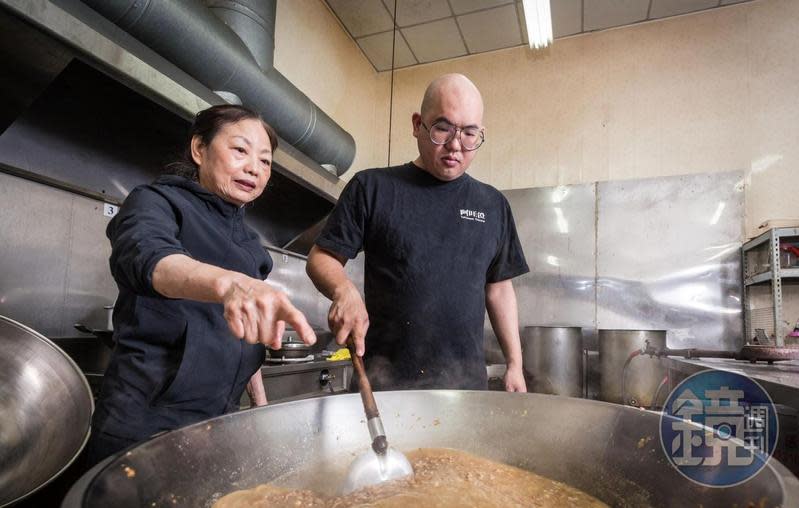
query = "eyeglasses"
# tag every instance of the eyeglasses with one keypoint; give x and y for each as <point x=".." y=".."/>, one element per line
<point x="443" y="132"/>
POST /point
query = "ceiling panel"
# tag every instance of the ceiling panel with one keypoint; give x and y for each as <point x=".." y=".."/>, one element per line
<point x="435" y="41"/>
<point x="664" y="8"/>
<point x="362" y="17"/>
<point x="464" y="6"/>
<point x="522" y="21"/>
<point x="413" y="12"/>
<point x="492" y="29"/>
<point x="567" y="17"/>
<point x="601" y="14"/>
<point x="377" y="49"/>
<point x="440" y="29"/>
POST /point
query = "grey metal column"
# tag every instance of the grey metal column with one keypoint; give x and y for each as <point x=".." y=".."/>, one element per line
<point x="776" y="287"/>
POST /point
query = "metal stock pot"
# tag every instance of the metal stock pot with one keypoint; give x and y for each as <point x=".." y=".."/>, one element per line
<point x="610" y="451"/>
<point x="45" y="411"/>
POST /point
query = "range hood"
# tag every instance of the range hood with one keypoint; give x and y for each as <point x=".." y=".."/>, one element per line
<point x="90" y="108"/>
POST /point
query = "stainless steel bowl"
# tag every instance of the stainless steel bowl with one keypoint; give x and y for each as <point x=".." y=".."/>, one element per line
<point x="610" y="451"/>
<point x="45" y="411"/>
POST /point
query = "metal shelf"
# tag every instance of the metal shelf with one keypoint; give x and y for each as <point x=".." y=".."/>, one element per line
<point x="774" y="276"/>
<point x="785" y="273"/>
<point x="780" y="232"/>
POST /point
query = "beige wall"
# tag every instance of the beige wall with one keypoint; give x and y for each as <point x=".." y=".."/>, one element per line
<point x="714" y="91"/>
<point x="314" y="52"/>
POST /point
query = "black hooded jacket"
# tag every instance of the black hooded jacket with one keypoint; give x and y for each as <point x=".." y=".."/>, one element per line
<point x="175" y="362"/>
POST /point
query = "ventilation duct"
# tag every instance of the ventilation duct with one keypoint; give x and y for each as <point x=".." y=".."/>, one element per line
<point x="229" y="46"/>
<point x="254" y="22"/>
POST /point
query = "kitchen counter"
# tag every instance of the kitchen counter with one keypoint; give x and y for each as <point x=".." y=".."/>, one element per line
<point x="780" y="380"/>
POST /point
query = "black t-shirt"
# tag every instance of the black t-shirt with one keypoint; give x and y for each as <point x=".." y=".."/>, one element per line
<point x="430" y="248"/>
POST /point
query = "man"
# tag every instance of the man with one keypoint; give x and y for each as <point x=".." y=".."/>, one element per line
<point x="440" y="250"/>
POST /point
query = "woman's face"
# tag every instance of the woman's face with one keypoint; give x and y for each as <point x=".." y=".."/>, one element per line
<point x="237" y="163"/>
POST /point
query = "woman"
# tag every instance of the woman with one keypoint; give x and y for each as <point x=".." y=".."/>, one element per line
<point x="190" y="276"/>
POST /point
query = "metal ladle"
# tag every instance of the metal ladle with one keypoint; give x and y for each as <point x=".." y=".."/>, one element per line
<point x="381" y="463"/>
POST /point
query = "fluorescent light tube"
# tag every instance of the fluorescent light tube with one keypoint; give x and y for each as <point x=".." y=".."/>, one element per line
<point x="539" y="23"/>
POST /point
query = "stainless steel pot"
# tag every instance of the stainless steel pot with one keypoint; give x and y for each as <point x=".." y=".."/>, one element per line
<point x="643" y="373"/>
<point x="610" y="451"/>
<point x="45" y="411"/>
<point x="553" y="359"/>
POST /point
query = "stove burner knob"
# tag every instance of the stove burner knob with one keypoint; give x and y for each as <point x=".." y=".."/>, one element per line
<point x="325" y="377"/>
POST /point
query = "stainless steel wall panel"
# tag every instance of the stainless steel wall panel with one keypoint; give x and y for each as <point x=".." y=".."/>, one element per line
<point x="556" y="229"/>
<point x="35" y="228"/>
<point x="355" y="271"/>
<point x="89" y="285"/>
<point x="664" y="253"/>
<point x="53" y="258"/>
<point x="54" y="262"/>
<point x="288" y="274"/>
<point x="668" y="258"/>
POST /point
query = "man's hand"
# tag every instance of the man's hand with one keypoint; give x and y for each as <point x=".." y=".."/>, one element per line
<point x="257" y="312"/>
<point x="514" y="379"/>
<point x="348" y="317"/>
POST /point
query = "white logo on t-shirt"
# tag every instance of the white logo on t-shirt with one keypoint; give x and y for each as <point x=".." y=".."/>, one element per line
<point x="473" y="215"/>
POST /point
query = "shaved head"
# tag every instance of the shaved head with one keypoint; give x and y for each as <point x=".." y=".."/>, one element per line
<point x="455" y="87"/>
<point x="454" y="102"/>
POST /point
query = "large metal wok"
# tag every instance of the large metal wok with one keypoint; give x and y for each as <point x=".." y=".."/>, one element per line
<point x="610" y="451"/>
<point x="45" y="411"/>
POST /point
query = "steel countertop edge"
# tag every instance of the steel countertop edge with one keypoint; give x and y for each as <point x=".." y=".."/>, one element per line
<point x="780" y="379"/>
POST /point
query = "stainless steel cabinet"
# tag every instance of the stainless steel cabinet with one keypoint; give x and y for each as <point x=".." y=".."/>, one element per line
<point x="303" y="380"/>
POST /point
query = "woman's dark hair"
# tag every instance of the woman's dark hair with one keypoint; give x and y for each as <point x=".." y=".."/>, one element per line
<point x="206" y="126"/>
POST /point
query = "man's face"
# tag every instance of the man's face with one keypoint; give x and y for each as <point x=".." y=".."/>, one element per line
<point x="460" y="108"/>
